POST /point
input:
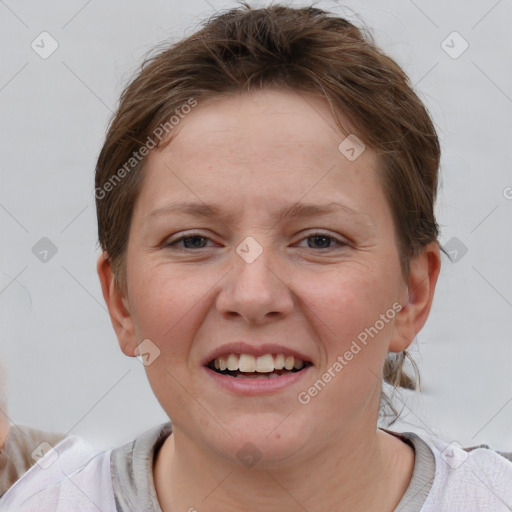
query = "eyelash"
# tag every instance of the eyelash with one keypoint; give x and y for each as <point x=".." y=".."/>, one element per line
<point x="340" y="243"/>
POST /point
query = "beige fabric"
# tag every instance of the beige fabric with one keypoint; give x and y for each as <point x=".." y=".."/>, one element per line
<point x="16" y="455"/>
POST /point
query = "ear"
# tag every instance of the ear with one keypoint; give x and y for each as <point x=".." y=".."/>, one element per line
<point x="424" y="271"/>
<point x="118" y="306"/>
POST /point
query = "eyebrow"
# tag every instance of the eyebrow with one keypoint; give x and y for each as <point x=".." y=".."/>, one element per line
<point x="299" y="209"/>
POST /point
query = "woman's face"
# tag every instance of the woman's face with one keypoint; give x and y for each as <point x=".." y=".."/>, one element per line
<point x="299" y="257"/>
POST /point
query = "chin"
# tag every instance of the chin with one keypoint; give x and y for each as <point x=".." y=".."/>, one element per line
<point x="264" y="441"/>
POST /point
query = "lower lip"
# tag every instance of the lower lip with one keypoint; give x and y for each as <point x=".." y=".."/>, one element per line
<point x="257" y="386"/>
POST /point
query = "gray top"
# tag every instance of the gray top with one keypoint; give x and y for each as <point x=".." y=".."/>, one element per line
<point x="134" y="489"/>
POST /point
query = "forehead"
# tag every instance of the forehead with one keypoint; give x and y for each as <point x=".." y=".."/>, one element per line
<point x="258" y="148"/>
<point x="268" y="125"/>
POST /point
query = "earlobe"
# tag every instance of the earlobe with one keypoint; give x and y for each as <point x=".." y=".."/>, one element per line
<point x="118" y="306"/>
<point x="424" y="271"/>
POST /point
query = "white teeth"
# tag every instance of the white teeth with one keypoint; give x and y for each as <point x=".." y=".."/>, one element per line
<point x="232" y="362"/>
<point x="279" y="362"/>
<point x="248" y="363"/>
<point x="288" y="362"/>
<point x="265" y="364"/>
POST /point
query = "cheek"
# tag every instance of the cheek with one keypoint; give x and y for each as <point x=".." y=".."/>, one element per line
<point x="163" y="302"/>
<point x="346" y="305"/>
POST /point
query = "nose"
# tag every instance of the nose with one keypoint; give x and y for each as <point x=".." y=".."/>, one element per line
<point x="256" y="291"/>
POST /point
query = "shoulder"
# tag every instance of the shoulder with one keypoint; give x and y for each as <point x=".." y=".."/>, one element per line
<point x="72" y="472"/>
<point x="131" y="466"/>
<point x="19" y="451"/>
<point x="471" y="479"/>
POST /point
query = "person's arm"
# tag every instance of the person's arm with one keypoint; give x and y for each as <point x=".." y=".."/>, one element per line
<point x="4" y="429"/>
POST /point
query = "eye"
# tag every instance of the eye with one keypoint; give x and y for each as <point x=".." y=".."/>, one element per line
<point x="315" y="241"/>
<point x="323" y="241"/>
<point x="190" y="241"/>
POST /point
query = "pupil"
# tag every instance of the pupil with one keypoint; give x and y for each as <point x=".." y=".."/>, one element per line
<point x="323" y="238"/>
<point x="196" y="241"/>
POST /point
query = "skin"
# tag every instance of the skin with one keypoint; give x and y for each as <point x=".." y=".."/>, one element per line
<point x="255" y="154"/>
<point x="4" y="429"/>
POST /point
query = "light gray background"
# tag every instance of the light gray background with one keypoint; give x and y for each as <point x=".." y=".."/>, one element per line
<point x="65" y="370"/>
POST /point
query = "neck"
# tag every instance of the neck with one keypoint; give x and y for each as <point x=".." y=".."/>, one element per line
<point x="367" y="471"/>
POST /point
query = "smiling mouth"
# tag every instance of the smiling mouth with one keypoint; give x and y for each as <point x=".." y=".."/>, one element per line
<point x="247" y="366"/>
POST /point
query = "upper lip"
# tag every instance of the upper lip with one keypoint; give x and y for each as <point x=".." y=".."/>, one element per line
<point x="242" y="347"/>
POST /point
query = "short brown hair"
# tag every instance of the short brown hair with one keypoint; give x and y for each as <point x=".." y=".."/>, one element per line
<point x="302" y="49"/>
